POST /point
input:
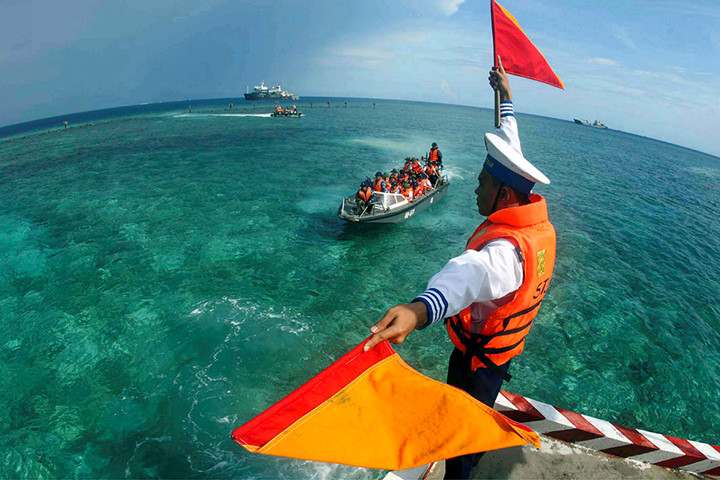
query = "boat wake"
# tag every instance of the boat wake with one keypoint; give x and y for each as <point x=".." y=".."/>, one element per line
<point x="418" y="144"/>
<point x="197" y="115"/>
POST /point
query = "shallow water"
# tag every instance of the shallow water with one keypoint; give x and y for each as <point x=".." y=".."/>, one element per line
<point x="166" y="276"/>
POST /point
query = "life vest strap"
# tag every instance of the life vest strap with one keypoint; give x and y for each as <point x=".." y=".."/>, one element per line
<point x="507" y="319"/>
<point x="478" y="349"/>
<point x="503" y="349"/>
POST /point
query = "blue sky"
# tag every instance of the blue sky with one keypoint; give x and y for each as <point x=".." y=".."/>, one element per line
<point x="645" y="67"/>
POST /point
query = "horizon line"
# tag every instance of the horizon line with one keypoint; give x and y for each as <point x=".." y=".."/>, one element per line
<point x="18" y="126"/>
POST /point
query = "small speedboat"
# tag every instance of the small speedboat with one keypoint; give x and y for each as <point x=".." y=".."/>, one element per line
<point x="286" y="114"/>
<point x="391" y="207"/>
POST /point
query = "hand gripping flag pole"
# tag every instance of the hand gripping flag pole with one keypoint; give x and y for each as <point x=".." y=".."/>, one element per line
<point x="371" y="409"/>
<point x="519" y="55"/>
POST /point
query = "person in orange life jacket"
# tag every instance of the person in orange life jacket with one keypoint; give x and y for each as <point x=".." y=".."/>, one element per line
<point x="425" y="183"/>
<point x="294" y="109"/>
<point x="379" y="185"/>
<point x="407" y="192"/>
<point x="394" y="187"/>
<point x="416" y="168"/>
<point x="418" y="189"/>
<point x="394" y="175"/>
<point x="408" y="165"/>
<point x="435" y="155"/>
<point x="432" y="173"/>
<point x="490" y="294"/>
<point x="364" y="197"/>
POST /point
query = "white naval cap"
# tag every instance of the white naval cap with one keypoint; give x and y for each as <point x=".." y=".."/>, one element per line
<point x="510" y="166"/>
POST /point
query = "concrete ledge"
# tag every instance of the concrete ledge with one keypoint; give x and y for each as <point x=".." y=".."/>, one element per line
<point x="554" y="460"/>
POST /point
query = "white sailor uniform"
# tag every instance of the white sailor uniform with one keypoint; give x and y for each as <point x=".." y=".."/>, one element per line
<point x="487" y="277"/>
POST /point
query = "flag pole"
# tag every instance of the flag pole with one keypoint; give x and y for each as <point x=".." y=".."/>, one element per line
<point x="497" y="91"/>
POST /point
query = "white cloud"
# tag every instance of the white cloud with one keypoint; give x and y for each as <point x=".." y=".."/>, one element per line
<point x="449" y="7"/>
<point x="602" y="61"/>
<point x="629" y="91"/>
<point x="410" y="37"/>
<point x="624" y="37"/>
<point x="358" y="57"/>
<point x="447" y="90"/>
<point x="362" y="53"/>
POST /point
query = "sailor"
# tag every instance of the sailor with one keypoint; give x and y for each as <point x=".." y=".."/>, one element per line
<point x="294" y="109"/>
<point x="435" y="155"/>
<point x="379" y="185"/>
<point x="491" y="293"/>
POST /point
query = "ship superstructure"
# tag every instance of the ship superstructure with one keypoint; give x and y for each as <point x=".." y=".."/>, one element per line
<point x="261" y="92"/>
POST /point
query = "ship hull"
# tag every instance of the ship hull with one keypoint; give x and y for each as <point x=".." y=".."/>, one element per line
<point x="264" y="96"/>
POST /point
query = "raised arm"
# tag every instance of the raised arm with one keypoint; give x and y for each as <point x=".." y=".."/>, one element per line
<point x="499" y="81"/>
<point x="508" y="128"/>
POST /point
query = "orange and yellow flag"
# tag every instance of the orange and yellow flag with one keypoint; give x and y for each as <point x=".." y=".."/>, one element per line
<point x="370" y="409"/>
<point x="519" y="56"/>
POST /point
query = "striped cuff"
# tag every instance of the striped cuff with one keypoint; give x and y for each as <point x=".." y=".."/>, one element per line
<point x="436" y="305"/>
<point x="506" y="109"/>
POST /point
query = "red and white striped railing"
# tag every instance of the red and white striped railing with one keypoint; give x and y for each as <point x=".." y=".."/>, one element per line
<point x="596" y="434"/>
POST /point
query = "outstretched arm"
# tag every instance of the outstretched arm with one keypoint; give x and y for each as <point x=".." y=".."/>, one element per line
<point x="398" y="323"/>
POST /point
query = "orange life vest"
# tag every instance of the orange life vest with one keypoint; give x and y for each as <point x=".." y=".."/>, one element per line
<point x="502" y="335"/>
<point x="407" y="167"/>
<point x="408" y="193"/>
<point x="416" y="168"/>
<point x="377" y="186"/>
<point x="431" y="170"/>
<point x="433" y="155"/>
<point x="365" y="194"/>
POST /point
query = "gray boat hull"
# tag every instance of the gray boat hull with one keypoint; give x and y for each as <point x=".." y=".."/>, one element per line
<point x="397" y="215"/>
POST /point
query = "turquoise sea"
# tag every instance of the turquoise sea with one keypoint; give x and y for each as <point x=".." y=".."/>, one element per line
<point x="166" y="276"/>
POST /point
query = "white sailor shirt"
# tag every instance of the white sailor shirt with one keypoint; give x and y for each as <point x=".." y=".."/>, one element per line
<point x="485" y="279"/>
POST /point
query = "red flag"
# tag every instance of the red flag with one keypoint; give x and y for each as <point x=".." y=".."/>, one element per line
<point x="519" y="56"/>
<point x="370" y="409"/>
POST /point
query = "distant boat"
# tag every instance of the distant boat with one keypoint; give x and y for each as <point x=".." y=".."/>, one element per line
<point x="261" y="92"/>
<point x="595" y="124"/>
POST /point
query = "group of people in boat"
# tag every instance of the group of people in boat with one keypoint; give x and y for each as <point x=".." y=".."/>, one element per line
<point x="285" y="111"/>
<point x="412" y="181"/>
